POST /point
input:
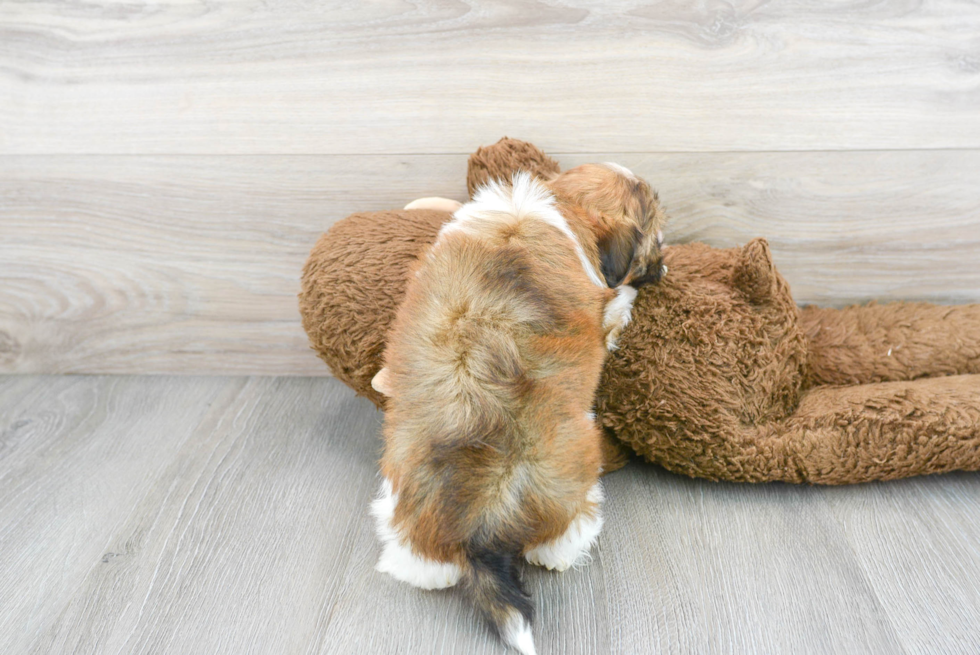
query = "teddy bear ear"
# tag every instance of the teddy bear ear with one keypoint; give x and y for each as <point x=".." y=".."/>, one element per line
<point x="755" y="274"/>
<point x="504" y="158"/>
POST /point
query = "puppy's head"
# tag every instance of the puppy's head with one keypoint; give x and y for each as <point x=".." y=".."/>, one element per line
<point x="623" y="214"/>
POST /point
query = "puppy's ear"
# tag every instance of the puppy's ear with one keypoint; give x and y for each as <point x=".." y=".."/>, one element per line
<point x="617" y="248"/>
<point x="380" y="382"/>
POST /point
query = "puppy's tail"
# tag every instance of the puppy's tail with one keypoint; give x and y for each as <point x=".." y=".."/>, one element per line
<point x="493" y="583"/>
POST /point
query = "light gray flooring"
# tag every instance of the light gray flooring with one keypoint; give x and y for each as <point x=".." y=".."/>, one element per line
<point x="228" y="515"/>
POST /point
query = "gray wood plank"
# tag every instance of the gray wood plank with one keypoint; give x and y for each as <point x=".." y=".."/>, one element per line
<point x="179" y="264"/>
<point x="438" y="77"/>
<point x="76" y="456"/>
<point x="702" y="567"/>
<point x="191" y="264"/>
<point x="177" y="514"/>
<point x="240" y="545"/>
<point x="918" y="542"/>
<point x="844" y="227"/>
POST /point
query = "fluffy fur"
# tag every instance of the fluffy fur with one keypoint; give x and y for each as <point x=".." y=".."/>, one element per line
<point x="516" y="633"/>
<point x="491" y="369"/>
<point x="625" y="219"/>
<point x="617" y="315"/>
<point x="397" y="558"/>
<point x="712" y="377"/>
<point x="572" y="547"/>
<point x="526" y="199"/>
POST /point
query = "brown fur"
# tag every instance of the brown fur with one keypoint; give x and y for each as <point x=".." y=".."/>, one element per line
<point x="491" y="367"/>
<point x="608" y="202"/>
<point x="492" y="364"/>
<point x="746" y="388"/>
<point x="719" y="375"/>
<point x="492" y="361"/>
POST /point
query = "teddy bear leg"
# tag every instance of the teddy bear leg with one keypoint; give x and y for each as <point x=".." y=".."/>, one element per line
<point x="572" y="548"/>
<point x="846" y="435"/>
<point x="891" y="342"/>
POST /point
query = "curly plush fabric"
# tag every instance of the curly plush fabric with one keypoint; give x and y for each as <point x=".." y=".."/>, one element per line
<point x="353" y="282"/>
<point x="719" y="375"/>
<point x="897" y="341"/>
<point x="501" y="160"/>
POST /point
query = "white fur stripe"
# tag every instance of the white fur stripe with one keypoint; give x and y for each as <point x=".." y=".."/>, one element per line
<point x="618" y="313"/>
<point x="526" y="198"/>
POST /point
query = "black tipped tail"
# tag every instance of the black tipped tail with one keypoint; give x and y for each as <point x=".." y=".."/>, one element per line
<point x="493" y="583"/>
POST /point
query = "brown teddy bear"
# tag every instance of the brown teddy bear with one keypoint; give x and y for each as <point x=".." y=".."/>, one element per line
<point x="719" y="375"/>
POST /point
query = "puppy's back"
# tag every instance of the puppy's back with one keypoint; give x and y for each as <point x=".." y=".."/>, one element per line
<point x="486" y="362"/>
<point x="491" y="366"/>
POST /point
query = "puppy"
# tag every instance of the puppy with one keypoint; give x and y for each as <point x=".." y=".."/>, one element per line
<point x="491" y="450"/>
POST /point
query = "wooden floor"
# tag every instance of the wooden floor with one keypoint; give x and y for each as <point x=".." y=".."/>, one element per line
<point x="229" y="515"/>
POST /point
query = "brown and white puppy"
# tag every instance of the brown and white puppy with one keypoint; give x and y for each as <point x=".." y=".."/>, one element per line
<point x="491" y="450"/>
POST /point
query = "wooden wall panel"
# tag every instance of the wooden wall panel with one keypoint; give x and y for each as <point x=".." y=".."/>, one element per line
<point x="190" y="264"/>
<point x="248" y="77"/>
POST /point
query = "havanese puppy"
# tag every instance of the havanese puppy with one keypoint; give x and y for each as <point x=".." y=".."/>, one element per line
<point x="491" y="450"/>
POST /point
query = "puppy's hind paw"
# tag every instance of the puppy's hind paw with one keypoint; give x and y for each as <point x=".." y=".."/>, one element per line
<point x="572" y="548"/>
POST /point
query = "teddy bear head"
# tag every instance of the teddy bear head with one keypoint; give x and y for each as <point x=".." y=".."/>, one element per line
<point x="715" y="347"/>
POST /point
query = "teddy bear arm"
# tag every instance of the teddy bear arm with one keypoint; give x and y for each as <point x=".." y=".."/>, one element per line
<point x="890" y="342"/>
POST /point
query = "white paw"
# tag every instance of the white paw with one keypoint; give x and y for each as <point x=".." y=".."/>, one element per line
<point x="401" y="563"/>
<point x="397" y="558"/>
<point x="572" y="548"/>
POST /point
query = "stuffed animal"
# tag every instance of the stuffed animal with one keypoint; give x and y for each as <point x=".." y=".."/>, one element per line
<point x="719" y="375"/>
